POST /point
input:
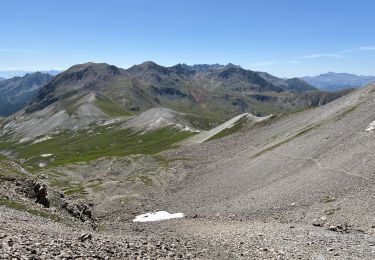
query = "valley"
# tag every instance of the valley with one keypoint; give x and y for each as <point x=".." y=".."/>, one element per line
<point x="293" y="180"/>
<point x="209" y="130"/>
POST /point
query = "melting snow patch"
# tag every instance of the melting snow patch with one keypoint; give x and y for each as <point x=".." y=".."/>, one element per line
<point x="46" y="155"/>
<point x="109" y="122"/>
<point x="157" y="216"/>
<point x="370" y="127"/>
<point x="47" y="137"/>
<point x="186" y="128"/>
<point x="42" y="165"/>
<point x="24" y="140"/>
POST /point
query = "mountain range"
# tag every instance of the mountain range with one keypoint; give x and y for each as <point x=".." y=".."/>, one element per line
<point x="337" y="81"/>
<point x="169" y="103"/>
<point x="206" y="95"/>
<point x="216" y="90"/>
<point x="6" y="74"/>
<point x="17" y="92"/>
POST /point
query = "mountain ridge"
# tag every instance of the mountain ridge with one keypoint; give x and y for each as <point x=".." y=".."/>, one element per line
<point x="336" y="81"/>
<point x="205" y="96"/>
<point x="17" y="92"/>
<point x="194" y="82"/>
<point x="7" y="74"/>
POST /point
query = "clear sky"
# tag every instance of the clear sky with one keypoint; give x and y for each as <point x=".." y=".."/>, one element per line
<point x="284" y="37"/>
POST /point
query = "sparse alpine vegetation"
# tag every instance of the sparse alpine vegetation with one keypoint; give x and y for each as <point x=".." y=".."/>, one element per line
<point x="87" y="145"/>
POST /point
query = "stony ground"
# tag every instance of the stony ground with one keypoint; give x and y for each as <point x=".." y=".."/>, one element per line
<point x="24" y="236"/>
<point x="296" y="187"/>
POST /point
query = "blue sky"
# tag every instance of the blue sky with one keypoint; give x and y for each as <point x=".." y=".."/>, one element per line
<point x="284" y="37"/>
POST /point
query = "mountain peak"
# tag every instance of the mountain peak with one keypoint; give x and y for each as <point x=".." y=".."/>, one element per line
<point x="183" y="68"/>
<point x="233" y="65"/>
<point x="80" y="77"/>
<point x="99" y="67"/>
<point x="148" y="66"/>
<point x="89" y="70"/>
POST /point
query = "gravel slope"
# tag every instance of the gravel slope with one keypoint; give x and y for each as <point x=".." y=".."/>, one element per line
<point x="285" y="165"/>
<point x="56" y="118"/>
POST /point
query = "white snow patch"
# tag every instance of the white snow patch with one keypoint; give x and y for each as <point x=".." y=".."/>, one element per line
<point x="42" y="165"/>
<point x="47" y="137"/>
<point x="157" y="216"/>
<point x="370" y="127"/>
<point x="46" y="155"/>
<point x="109" y="122"/>
<point x="187" y="128"/>
<point x="24" y="140"/>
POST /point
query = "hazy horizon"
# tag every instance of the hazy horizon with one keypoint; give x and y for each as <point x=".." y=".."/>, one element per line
<point x="19" y="73"/>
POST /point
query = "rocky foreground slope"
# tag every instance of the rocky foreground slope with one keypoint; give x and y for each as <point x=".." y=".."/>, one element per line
<point x="298" y="186"/>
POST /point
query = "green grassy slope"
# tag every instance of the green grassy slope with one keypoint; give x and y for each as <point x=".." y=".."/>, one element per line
<point x="84" y="146"/>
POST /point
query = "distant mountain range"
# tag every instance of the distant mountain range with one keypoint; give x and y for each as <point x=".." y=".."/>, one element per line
<point x="20" y="73"/>
<point x="213" y="92"/>
<point x="336" y="81"/>
<point x="93" y="111"/>
<point x="17" y="92"/>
